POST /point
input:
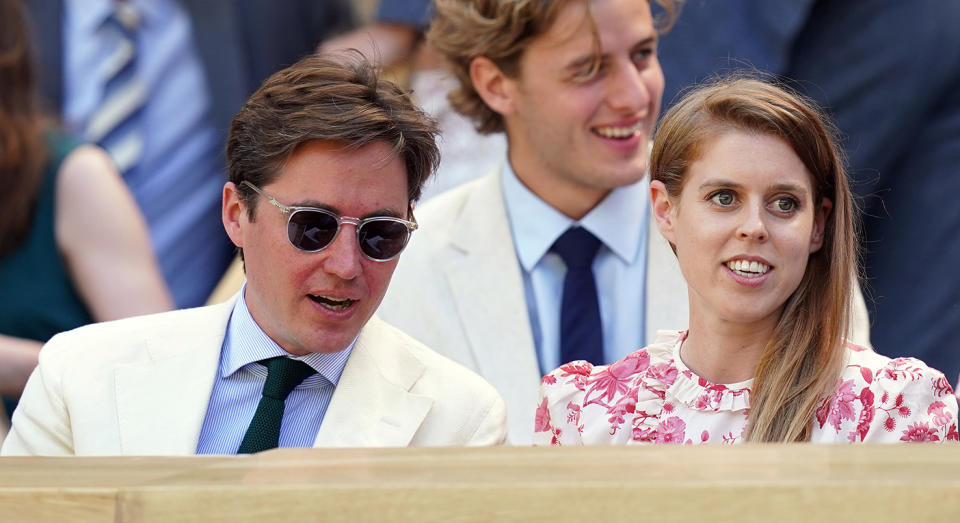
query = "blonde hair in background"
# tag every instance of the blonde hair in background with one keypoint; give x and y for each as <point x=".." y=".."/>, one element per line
<point x="500" y="30"/>
<point x="800" y="365"/>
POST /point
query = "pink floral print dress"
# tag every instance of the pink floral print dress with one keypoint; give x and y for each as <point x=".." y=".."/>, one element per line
<point x="652" y="397"/>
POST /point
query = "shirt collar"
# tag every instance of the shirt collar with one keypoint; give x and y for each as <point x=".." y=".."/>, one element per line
<point x="619" y="220"/>
<point x="246" y="343"/>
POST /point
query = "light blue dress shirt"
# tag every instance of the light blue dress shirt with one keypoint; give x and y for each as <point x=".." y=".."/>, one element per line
<point x="179" y="180"/>
<point x="620" y="221"/>
<point x="239" y="384"/>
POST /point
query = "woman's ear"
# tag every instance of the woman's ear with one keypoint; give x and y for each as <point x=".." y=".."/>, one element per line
<point x="664" y="209"/>
<point x="819" y="224"/>
<point x="495" y="88"/>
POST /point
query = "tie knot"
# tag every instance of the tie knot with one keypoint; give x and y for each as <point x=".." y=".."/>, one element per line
<point x="283" y="375"/>
<point x="577" y="247"/>
<point x="125" y="16"/>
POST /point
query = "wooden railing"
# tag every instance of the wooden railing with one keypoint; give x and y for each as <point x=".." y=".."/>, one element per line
<point x="910" y="483"/>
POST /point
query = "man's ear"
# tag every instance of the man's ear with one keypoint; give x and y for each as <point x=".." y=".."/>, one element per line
<point x="232" y="213"/>
<point x="664" y="209"/>
<point x="819" y="224"/>
<point x="496" y="89"/>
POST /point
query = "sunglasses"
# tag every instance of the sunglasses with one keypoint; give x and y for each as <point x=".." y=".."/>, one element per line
<point x="311" y="229"/>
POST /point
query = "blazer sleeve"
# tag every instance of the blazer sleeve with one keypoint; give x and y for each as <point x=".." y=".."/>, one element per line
<point x="41" y="423"/>
<point x="492" y="427"/>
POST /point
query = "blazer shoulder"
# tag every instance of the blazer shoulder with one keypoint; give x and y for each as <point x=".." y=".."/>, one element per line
<point x="447" y="214"/>
<point x="107" y="340"/>
<point x="440" y="374"/>
<point x="466" y="407"/>
<point x="440" y="210"/>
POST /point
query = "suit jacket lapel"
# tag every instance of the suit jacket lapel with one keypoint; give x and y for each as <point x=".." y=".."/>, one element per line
<point x="162" y="401"/>
<point x="373" y="405"/>
<point x="487" y="287"/>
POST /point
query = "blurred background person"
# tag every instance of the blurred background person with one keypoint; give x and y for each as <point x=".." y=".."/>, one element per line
<point x="156" y="83"/>
<point x="73" y="246"/>
<point x="394" y="39"/>
<point x="888" y="72"/>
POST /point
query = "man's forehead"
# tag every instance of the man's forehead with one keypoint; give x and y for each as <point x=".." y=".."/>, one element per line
<point x="574" y="32"/>
<point x="343" y="178"/>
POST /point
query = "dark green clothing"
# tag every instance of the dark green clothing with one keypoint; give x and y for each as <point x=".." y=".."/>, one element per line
<point x="37" y="296"/>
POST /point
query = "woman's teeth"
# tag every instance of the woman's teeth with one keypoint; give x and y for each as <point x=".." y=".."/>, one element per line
<point x="749" y="269"/>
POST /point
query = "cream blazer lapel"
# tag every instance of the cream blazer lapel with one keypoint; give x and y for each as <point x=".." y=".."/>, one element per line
<point x="162" y="401"/>
<point x="373" y="405"/>
<point x="667" y="301"/>
<point x="484" y="275"/>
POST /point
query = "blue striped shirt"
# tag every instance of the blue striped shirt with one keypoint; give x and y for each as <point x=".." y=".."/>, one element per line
<point x="239" y="383"/>
<point x="178" y="183"/>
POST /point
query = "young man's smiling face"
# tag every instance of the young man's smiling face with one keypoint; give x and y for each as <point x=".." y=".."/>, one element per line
<point x="318" y="301"/>
<point x="576" y="132"/>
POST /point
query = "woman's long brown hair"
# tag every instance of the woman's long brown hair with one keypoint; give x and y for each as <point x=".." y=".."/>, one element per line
<point x="801" y="363"/>
<point x="22" y="147"/>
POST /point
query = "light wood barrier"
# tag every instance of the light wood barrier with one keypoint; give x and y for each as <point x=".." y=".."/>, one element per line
<point x="913" y="483"/>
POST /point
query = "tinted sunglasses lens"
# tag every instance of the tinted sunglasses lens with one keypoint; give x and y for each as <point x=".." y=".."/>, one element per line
<point x="311" y="230"/>
<point x="383" y="239"/>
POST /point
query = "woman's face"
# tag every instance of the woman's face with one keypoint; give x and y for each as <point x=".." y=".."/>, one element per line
<point x="743" y="225"/>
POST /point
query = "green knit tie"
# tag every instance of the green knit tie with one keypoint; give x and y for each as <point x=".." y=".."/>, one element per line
<point x="283" y="375"/>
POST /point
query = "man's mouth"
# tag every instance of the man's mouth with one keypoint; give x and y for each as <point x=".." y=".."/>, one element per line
<point x="747" y="269"/>
<point x="618" y="132"/>
<point x="332" y="303"/>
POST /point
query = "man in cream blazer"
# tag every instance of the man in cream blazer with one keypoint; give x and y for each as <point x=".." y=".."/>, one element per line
<point x="578" y="103"/>
<point x="320" y="210"/>
<point x="141" y="387"/>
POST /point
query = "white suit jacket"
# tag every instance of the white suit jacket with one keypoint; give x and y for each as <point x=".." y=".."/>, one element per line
<point x="459" y="289"/>
<point x="141" y="386"/>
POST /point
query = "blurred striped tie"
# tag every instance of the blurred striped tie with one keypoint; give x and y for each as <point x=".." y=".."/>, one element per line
<point x="115" y="124"/>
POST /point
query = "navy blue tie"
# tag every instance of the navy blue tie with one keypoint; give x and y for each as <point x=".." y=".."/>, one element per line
<point x="581" y="335"/>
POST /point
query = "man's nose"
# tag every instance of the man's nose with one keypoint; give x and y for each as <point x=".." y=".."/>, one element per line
<point x="626" y="92"/>
<point x="342" y="257"/>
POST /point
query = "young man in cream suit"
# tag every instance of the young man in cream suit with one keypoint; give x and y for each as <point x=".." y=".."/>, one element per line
<point x="578" y="103"/>
<point x="324" y="160"/>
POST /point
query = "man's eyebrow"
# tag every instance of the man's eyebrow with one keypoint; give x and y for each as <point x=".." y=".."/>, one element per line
<point x="650" y="40"/>
<point x="583" y="61"/>
<point x="379" y="212"/>
<point x="386" y="212"/>
<point x="589" y="58"/>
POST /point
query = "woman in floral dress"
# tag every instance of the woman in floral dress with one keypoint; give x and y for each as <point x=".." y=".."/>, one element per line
<point x="750" y="190"/>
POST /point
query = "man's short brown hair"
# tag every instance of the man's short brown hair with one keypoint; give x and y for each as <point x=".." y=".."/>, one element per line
<point x="500" y="30"/>
<point x="339" y="100"/>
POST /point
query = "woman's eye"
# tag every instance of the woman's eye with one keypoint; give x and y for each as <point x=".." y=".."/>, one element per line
<point x="786" y="204"/>
<point x="722" y="198"/>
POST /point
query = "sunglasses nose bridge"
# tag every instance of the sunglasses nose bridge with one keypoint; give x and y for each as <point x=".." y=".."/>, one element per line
<point x="351" y="220"/>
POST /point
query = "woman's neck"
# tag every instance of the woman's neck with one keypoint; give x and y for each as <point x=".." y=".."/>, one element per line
<point x="721" y="351"/>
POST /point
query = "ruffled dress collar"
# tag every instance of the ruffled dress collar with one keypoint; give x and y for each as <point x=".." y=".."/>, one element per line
<point x="700" y="394"/>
